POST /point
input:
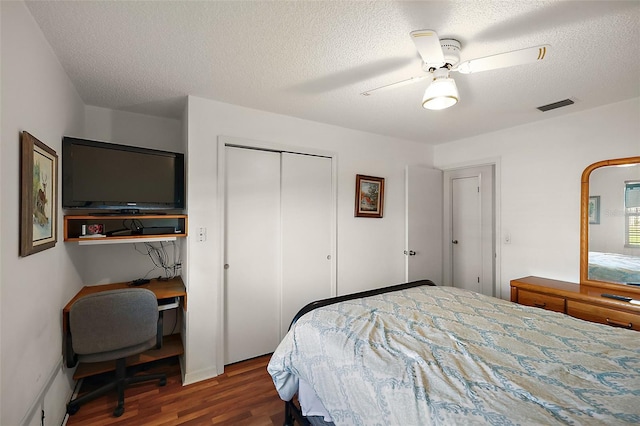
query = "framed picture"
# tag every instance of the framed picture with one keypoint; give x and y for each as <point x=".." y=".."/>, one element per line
<point x="369" y="196"/>
<point x="38" y="196"/>
<point x="594" y="210"/>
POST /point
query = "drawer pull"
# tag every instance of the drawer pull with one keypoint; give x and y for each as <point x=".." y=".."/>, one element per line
<point x="619" y="324"/>
<point x="539" y="305"/>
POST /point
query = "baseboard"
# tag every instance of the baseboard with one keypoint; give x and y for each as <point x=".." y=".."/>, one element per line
<point x="37" y="403"/>
<point x="197" y="376"/>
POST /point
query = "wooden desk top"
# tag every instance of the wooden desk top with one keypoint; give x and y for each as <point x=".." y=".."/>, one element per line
<point x="163" y="289"/>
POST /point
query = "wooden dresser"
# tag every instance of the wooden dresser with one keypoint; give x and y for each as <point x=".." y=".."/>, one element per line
<point x="579" y="300"/>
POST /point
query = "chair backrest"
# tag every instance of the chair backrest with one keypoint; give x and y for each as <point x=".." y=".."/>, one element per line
<point x="113" y="320"/>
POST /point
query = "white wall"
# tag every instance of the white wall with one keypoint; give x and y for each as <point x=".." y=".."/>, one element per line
<point x="38" y="97"/>
<point x="129" y="128"/>
<point x="541" y="165"/>
<point x="370" y="251"/>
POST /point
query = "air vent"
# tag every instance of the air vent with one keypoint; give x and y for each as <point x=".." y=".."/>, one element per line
<point x="559" y="104"/>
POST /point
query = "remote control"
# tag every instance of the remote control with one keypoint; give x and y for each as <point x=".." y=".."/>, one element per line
<point x="140" y="281"/>
<point x="615" y="296"/>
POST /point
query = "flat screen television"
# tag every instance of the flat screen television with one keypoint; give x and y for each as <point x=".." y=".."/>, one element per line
<point x="107" y="176"/>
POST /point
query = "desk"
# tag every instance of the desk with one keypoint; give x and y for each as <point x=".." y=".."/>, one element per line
<point x="172" y="345"/>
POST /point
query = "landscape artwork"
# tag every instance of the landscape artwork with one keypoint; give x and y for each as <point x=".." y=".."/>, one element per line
<point x="369" y="196"/>
<point x="42" y="197"/>
<point x="594" y="210"/>
<point x="39" y="176"/>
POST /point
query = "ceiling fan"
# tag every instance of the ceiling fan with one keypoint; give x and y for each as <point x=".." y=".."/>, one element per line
<point x="442" y="56"/>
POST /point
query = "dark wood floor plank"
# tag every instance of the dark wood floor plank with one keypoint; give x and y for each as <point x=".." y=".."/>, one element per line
<point x="244" y="395"/>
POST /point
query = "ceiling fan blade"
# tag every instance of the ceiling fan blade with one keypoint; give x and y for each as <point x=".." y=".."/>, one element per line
<point x="504" y="60"/>
<point x="428" y="44"/>
<point x="396" y="84"/>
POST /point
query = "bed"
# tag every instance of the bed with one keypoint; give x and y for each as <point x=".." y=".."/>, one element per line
<point x="418" y="354"/>
<point x="614" y="267"/>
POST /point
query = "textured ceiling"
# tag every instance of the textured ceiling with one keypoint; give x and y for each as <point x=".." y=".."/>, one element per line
<point x="313" y="59"/>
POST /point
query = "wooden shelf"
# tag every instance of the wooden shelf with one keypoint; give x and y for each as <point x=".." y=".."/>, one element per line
<point x="125" y="228"/>
<point x="171" y="346"/>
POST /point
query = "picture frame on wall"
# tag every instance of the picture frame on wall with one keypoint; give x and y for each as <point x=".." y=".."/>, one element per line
<point x="369" y="196"/>
<point x="594" y="210"/>
<point x="38" y="195"/>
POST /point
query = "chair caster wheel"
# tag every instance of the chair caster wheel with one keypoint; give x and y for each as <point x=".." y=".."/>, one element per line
<point x="72" y="409"/>
<point x="163" y="382"/>
<point x="118" y="411"/>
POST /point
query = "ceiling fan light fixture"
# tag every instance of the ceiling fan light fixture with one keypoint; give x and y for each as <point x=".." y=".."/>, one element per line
<point x="442" y="92"/>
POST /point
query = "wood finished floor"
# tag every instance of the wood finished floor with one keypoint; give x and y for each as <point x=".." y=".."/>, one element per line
<point x="243" y="395"/>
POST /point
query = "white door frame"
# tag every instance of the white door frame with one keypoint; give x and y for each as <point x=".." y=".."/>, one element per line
<point x="446" y="241"/>
<point x="222" y="142"/>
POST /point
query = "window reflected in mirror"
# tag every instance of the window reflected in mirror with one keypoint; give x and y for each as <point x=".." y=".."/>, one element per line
<point x="614" y="224"/>
<point x="632" y="212"/>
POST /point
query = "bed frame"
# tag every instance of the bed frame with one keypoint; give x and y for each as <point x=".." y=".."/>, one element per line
<point x="292" y="411"/>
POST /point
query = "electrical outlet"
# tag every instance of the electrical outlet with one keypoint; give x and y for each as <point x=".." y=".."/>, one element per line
<point x="202" y="234"/>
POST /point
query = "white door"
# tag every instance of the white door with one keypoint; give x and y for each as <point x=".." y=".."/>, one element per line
<point x="466" y="233"/>
<point x="423" y="248"/>
<point x="252" y="246"/>
<point x="306" y="232"/>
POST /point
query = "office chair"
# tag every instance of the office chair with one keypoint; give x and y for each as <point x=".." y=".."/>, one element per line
<point x="110" y="326"/>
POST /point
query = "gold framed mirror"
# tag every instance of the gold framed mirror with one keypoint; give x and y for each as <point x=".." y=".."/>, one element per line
<point x="610" y="224"/>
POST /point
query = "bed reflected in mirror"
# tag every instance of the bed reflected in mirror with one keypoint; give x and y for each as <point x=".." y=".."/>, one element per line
<point x="610" y="246"/>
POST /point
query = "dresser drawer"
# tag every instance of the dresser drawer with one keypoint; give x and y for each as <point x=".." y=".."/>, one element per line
<point x="539" y="300"/>
<point x="603" y="315"/>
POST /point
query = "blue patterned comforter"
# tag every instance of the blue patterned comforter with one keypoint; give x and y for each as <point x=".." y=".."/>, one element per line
<point x="614" y="267"/>
<point x="441" y="355"/>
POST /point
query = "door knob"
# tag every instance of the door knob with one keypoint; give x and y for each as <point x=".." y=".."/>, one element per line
<point x="410" y="252"/>
<point x="455" y="241"/>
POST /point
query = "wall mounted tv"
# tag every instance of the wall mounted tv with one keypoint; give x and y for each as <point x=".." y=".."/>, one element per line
<point x="100" y="175"/>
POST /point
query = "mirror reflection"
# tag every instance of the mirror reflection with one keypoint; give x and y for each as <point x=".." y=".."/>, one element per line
<point x="614" y="224"/>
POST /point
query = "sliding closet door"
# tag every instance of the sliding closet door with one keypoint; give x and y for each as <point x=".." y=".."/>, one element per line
<point x="252" y="246"/>
<point x="306" y="232"/>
